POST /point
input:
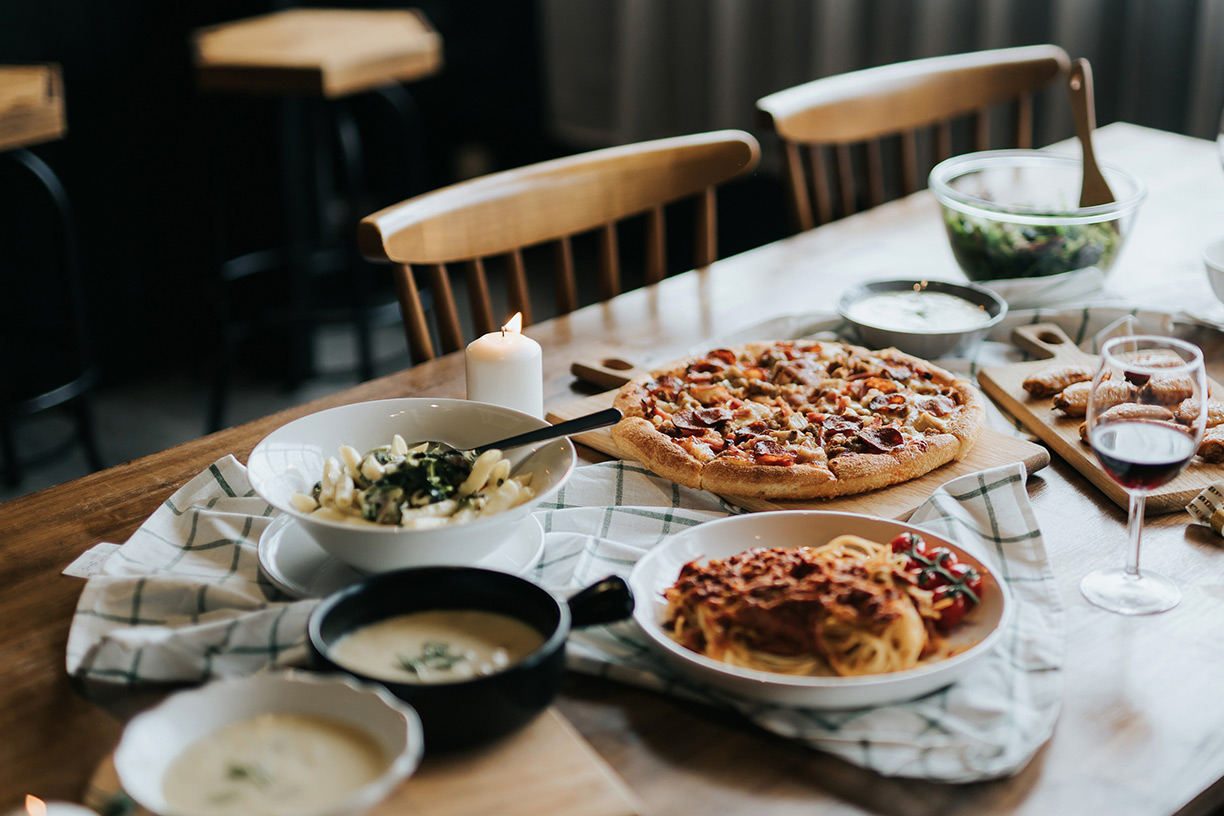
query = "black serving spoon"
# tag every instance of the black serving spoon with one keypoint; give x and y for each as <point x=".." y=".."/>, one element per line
<point x="588" y="422"/>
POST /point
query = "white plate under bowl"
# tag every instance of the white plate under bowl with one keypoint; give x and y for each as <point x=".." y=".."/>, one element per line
<point x="659" y="568"/>
<point x="293" y="562"/>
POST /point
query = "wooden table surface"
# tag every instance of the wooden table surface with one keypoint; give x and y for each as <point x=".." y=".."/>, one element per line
<point x="1141" y="729"/>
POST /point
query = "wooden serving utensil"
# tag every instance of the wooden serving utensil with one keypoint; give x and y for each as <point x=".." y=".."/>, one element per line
<point x="1095" y="189"/>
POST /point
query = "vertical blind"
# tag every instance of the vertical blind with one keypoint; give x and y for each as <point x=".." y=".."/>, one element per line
<point x="619" y="71"/>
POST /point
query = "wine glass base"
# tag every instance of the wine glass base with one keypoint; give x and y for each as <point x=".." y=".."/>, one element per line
<point x="1120" y="591"/>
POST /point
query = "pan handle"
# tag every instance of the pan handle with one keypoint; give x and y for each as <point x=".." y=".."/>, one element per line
<point x="606" y="601"/>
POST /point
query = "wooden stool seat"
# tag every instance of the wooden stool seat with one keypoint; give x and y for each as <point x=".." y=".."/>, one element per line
<point x="31" y="105"/>
<point x="322" y="52"/>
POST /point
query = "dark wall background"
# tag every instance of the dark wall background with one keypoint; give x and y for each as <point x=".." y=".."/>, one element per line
<point x="141" y="156"/>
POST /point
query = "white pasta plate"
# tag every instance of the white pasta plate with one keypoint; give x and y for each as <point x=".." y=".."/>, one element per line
<point x="659" y="568"/>
<point x="291" y="459"/>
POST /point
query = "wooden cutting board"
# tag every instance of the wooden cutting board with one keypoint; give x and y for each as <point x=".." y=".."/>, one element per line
<point x="1051" y="346"/>
<point x="993" y="449"/>
<point x="545" y="768"/>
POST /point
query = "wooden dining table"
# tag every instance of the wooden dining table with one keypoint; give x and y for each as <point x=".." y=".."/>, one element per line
<point x="1141" y="728"/>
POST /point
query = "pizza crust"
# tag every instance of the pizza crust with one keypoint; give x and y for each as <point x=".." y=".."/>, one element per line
<point x="737" y="477"/>
<point x="636" y="436"/>
<point x="967" y="425"/>
<point x="860" y="472"/>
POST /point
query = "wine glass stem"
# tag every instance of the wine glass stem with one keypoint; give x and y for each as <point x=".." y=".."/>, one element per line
<point x="1135" y="529"/>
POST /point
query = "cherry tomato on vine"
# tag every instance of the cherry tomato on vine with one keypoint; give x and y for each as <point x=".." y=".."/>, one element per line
<point x="968" y="576"/>
<point x="902" y="542"/>
<point x="954" y="612"/>
<point x="909" y="543"/>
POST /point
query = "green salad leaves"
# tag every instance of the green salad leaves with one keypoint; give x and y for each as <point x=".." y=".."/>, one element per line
<point x="994" y="250"/>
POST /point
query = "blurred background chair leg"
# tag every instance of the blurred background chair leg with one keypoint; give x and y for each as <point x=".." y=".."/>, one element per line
<point x="69" y="381"/>
<point x="83" y="409"/>
<point x="348" y="141"/>
<point x="9" y="465"/>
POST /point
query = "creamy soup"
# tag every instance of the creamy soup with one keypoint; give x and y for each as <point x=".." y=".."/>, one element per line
<point x="273" y="764"/>
<point x="437" y="646"/>
<point x="918" y="311"/>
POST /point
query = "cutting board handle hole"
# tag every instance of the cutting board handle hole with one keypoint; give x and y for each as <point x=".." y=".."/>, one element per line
<point x="1052" y="338"/>
<point x="616" y="364"/>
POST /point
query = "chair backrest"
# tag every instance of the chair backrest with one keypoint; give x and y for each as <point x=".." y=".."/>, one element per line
<point x="500" y="215"/>
<point x="851" y="116"/>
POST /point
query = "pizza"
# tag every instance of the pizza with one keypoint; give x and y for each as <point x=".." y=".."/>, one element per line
<point x="797" y="419"/>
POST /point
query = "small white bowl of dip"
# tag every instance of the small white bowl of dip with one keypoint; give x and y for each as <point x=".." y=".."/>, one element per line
<point x="926" y="318"/>
<point x="275" y="743"/>
<point x="1213" y="260"/>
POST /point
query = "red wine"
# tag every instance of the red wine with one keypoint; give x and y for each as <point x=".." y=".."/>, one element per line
<point x="1142" y="454"/>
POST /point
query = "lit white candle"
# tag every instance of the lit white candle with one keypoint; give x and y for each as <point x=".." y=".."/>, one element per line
<point x="37" y="807"/>
<point x="506" y="368"/>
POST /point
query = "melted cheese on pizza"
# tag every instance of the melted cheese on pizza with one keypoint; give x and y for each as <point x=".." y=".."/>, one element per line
<point x="796" y="403"/>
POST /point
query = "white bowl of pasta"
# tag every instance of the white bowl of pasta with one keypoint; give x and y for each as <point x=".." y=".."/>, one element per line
<point x="357" y="481"/>
<point x="818" y="609"/>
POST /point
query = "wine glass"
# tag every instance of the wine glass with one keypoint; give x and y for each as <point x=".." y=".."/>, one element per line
<point x="1146" y="416"/>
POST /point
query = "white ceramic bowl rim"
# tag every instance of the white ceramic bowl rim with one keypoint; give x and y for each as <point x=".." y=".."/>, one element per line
<point x="1130" y="189"/>
<point x="881" y="683"/>
<point x="875" y="287"/>
<point x="1213" y="255"/>
<point x="130" y="754"/>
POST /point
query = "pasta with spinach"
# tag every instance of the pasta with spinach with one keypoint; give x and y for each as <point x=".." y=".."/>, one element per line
<point x="419" y="487"/>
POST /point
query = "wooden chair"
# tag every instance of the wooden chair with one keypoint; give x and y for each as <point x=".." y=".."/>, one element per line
<point x="503" y="214"/>
<point x="853" y="115"/>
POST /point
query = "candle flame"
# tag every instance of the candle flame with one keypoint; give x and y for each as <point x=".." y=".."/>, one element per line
<point x="514" y="324"/>
<point x="35" y="806"/>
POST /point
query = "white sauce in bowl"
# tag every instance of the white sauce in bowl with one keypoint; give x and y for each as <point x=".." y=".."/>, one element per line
<point x="918" y="311"/>
<point x="436" y="646"/>
<point x="273" y="764"/>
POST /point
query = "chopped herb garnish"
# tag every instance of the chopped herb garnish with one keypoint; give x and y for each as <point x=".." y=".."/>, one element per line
<point x="249" y="772"/>
<point x="434" y="656"/>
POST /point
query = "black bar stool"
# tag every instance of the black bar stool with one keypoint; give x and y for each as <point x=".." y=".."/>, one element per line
<point x="47" y="362"/>
<point x="322" y="65"/>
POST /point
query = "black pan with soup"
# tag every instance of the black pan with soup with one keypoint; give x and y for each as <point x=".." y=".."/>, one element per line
<point x="436" y="646"/>
<point x="477" y="653"/>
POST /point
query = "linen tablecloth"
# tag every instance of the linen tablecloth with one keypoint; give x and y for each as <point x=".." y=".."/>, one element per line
<point x="183" y="601"/>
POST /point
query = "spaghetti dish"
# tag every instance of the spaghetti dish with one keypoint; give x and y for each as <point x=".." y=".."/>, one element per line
<point x="849" y="607"/>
